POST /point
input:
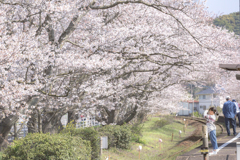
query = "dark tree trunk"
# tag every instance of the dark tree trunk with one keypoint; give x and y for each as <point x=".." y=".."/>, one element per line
<point x="106" y="115"/>
<point x="15" y="131"/>
<point x="39" y="121"/>
<point x="141" y="116"/>
<point x="5" y="127"/>
<point x="32" y="123"/>
<point x="111" y="116"/>
<point x="129" y="116"/>
<point x="51" y="123"/>
<point x="72" y="117"/>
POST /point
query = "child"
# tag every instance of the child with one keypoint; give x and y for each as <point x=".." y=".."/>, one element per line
<point x="210" y="116"/>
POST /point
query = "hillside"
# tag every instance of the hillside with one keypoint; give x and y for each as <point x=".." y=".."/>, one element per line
<point x="230" y="22"/>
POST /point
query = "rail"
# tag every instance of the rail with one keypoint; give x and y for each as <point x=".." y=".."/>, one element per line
<point x="201" y="120"/>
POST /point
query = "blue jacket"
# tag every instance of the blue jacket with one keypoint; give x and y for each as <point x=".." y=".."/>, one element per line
<point x="229" y="109"/>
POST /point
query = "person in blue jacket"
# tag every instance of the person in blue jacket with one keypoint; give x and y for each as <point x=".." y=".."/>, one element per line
<point x="229" y="112"/>
<point x="237" y="112"/>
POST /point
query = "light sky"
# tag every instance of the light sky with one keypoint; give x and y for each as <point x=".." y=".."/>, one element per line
<point x="221" y="7"/>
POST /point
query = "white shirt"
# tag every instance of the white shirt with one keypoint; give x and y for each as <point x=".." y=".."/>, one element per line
<point x="210" y="120"/>
<point x="237" y="108"/>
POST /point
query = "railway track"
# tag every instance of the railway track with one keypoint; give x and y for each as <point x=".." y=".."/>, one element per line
<point x="200" y="120"/>
<point x="203" y="121"/>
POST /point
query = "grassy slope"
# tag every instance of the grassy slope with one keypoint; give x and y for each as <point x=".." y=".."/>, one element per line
<point x="151" y="150"/>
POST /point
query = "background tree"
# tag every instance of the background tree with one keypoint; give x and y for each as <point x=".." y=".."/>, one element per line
<point x="230" y="22"/>
<point x="104" y="57"/>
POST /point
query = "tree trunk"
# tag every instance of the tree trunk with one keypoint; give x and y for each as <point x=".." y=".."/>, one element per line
<point x="72" y="117"/>
<point x="15" y="131"/>
<point x="39" y="122"/>
<point x="110" y="116"/>
<point x="51" y="123"/>
<point x="129" y="116"/>
<point x="32" y="123"/>
<point x="5" y="127"/>
<point x="107" y="116"/>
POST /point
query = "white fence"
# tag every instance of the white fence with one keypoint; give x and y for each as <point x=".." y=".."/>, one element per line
<point x="81" y="123"/>
<point x="87" y="122"/>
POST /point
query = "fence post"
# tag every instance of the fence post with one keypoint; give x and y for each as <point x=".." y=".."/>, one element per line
<point x="205" y="141"/>
<point x="238" y="150"/>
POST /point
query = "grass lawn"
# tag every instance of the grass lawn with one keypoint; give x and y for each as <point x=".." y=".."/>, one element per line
<point x="151" y="149"/>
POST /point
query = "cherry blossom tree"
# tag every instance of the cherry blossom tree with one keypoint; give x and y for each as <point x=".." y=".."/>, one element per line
<point x="108" y="57"/>
<point x="229" y="85"/>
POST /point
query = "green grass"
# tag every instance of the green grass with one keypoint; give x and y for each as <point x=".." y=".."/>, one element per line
<point x="151" y="149"/>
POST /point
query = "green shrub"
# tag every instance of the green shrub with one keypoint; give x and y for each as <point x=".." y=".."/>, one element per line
<point x="160" y="123"/>
<point x="89" y="134"/>
<point x="39" y="146"/>
<point x="140" y="140"/>
<point x="136" y="132"/>
<point x="219" y="109"/>
<point x="118" y="136"/>
<point x="197" y="114"/>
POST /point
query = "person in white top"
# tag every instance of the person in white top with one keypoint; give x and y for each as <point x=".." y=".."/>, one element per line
<point x="211" y="118"/>
<point x="237" y="111"/>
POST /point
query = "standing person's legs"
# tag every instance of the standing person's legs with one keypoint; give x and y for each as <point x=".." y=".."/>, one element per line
<point x="213" y="139"/>
<point x="227" y="125"/>
<point x="233" y="122"/>
<point x="238" y="115"/>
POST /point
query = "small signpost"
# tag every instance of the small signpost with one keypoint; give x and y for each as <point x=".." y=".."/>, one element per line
<point x="160" y="141"/>
<point x="183" y="120"/>
<point x="185" y="123"/>
<point x="139" y="150"/>
<point x="103" y="143"/>
<point x="184" y="127"/>
<point x="180" y="132"/>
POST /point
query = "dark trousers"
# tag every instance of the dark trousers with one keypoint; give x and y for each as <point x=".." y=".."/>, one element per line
<point x="238" y="115"/>
<point x="233" y="122"/>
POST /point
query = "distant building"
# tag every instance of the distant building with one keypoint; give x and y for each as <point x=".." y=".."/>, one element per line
<point x="187" y="107"/>
<point x="209" y="97"/>
<point x="82" y="122"/>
